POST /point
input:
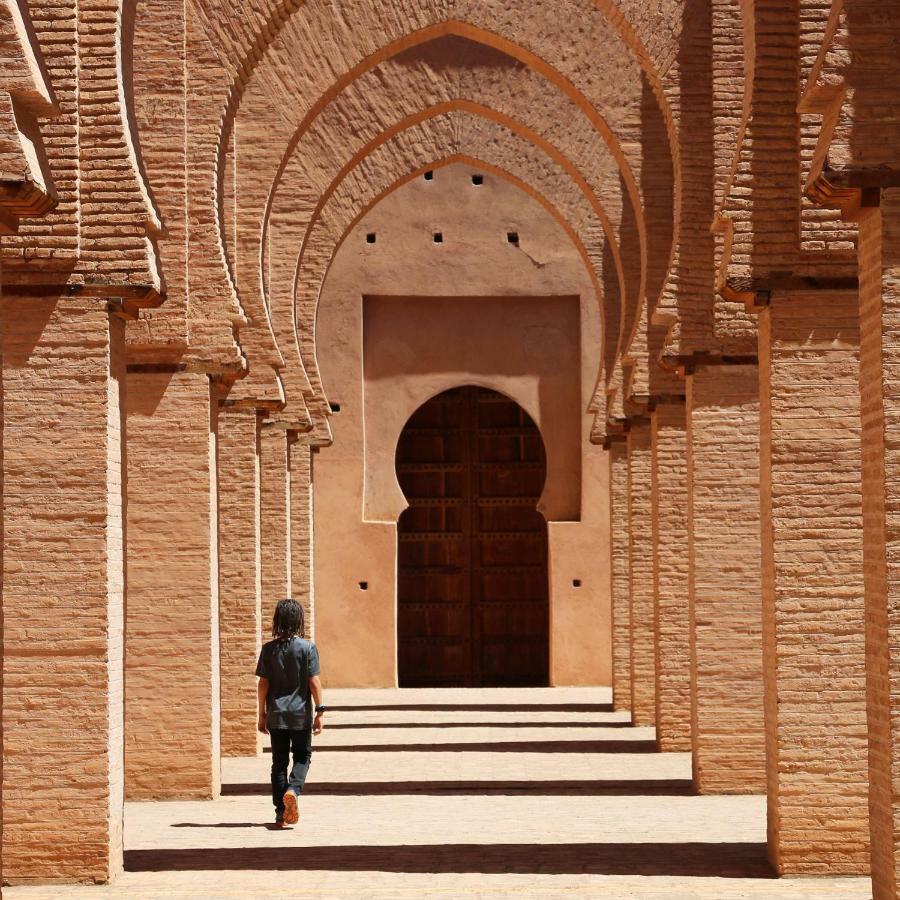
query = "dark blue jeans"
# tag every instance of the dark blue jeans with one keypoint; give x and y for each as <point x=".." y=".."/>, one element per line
<point x="283" y="743"/>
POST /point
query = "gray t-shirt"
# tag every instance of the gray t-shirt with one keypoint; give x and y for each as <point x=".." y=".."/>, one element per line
<point x="288" y="666"/>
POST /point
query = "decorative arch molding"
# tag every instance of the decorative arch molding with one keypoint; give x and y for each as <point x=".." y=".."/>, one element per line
<point x="625" y="46"/>
<point x="344" y="211"/>
<point x="321" y="433"/>
<point x="466" y="29"/>
<point x="636" y="293"/>
<point x="131" y="135"/>
<point x="245" y="41"/>
<point x="389" y="94"/>
<point x="495" y="41"/>
<point x="290" y="229"/>
<point x="245" y="31"/>
<point x="70" y="238"/>
<point x="25" y="95"/>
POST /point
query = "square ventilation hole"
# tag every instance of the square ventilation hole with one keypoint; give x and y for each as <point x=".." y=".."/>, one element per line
<point x="478" y="180"/>
<point x="370" y="237"/>
<point x="438" y="237"/>
<point x="335" y="407"/>
<point x="513" y="237"/>
<point x="364" y="585"/>
<point x="576" y="582"/>
<point x="429" y="175"/>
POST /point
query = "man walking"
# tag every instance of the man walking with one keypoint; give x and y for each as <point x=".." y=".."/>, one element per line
<point x="288" y="671"/>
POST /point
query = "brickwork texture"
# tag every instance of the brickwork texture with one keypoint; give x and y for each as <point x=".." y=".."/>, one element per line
<point x="727" y="730"/>
<point x="197" y="200"/>
<point x="670" y="577"/>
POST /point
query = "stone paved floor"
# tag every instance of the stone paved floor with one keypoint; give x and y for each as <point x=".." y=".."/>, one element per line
<point x="520" y="794"/>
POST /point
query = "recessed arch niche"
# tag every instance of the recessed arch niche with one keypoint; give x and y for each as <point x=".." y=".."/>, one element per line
<point x="403" y="319"/>
<point x="472" y="578"/>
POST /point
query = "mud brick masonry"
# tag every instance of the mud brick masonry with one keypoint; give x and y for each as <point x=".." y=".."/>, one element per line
<point x="242" y="243"/>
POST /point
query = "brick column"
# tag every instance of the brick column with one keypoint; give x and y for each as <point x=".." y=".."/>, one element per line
<point x="63" y="593"/>
<point x="640" y="576"/>
<point x="172" y="629"/>
<point x="670" y="576"/>
<point x="621" y="590"/>
<point x="727" y="729"/>
<point x="813" y="615"/>
<point x="239" y="578"/>
<point x="879" y="307"/>
<point x="2" y="575"/>
<point x="302" y="588"/>
<point x="275" y="517"/>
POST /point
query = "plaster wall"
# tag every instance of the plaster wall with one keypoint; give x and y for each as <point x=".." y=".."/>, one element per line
<point x="406" y="317"/>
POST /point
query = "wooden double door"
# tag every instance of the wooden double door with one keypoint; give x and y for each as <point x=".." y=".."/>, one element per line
<point x="472" y="585"/>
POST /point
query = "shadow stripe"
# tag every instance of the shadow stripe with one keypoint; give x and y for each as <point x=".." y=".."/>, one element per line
<point x="671" y="859"/>
<point x="498" y="747"/>
<point x="477" y="707"/>
<point x="332" y="726"/>
<point x="674" y="787"/>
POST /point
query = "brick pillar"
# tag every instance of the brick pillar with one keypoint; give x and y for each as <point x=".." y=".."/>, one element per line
<point x="813" y="615"/>
<point x="879" y="307"/>
<point x="2" y="542"/>
<point x="727" y="728"/>
<point x="172" y="629"/>
<point x="302" y="531"/>
<point x="239" y="578"/>
<point x="64" y="578"/>
<point x="621" y="590"/>
<point x="670" y="576"/>
<point x="275" y="517"/>
<point x="640" y="577"/>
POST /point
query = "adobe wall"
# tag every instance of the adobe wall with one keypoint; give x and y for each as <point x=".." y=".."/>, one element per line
<point x="172" y="609"/>
<point x="185" y="173"/>
<point x="64" y="586"/>
<point x="380" y="360"/>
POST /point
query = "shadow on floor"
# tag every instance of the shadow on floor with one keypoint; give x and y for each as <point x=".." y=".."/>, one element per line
<point x="670" y="787"/>
<point x="269" y="826"/>
<point x="499" y="747"/>
<point x="332" y="726"/>
<point x="662" y="859"/>
<point x="476" y="707"/>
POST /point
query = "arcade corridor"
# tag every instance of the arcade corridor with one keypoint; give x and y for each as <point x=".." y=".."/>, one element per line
<point x="481" y="793"/>
<point x="244" y="243"/>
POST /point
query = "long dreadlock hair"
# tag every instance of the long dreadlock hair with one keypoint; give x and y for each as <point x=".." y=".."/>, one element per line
<point x="288" y="620"/>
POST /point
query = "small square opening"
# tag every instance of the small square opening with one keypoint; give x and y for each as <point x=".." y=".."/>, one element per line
<point x="370" y="237"/>
<point x="576" y="582"/>
<point x="513" y="237"/>
<point x="438" y="237"/>
<point x="364" y="585"/>
<point x="429" y="175"/>
<point x="335" y="407"/>
<point x="478" y="180"/>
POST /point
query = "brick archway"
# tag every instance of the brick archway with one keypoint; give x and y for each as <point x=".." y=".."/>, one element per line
<point x="472" y="577"/>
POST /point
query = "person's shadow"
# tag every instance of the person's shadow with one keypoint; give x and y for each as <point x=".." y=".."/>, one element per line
<point x="269" y="826"/>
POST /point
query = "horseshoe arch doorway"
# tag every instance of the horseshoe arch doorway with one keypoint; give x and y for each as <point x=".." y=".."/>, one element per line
<point x="472" y="573"/>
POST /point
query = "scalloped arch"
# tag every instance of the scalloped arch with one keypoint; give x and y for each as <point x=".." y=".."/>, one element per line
<point x="615" y="294"/>
<point x="331" y="230"/>
<point x="475" y="33"/>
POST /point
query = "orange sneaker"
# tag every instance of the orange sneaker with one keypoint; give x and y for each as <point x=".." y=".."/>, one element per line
<point x="291" y="813"/>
